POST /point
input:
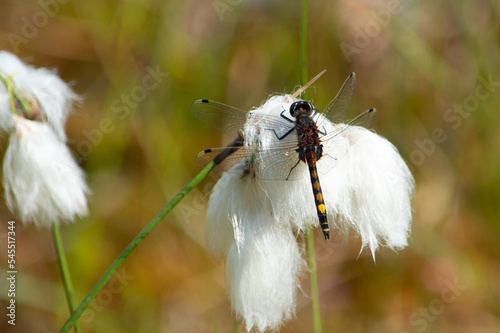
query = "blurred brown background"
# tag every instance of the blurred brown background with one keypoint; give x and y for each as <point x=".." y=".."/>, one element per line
<point x="140" y="64"/>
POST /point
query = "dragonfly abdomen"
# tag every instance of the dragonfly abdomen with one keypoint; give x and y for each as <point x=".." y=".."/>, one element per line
<point x="310" y="156"/>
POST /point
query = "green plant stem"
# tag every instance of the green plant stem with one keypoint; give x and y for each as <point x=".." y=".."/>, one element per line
<point x="313" y="276"/>
<point x="303" y="43"/>
<point x="311" y="260"/>
<point x="65" y="275"/>
<point x="135" y="242"/>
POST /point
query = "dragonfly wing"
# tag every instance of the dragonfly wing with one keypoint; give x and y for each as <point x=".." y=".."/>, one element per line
<point x="227" y="119"/>
<point x="365" y="119"/>
<point x="268" y="164"/>
<point x="276" y="125"/>
<point x="336" y="110"/>
<point x="206" y="156"/>
<point x="230" y="120"/>
<point x="341" y="137"/>
<point x="276" y="163"/>
<point x="279" y="164"/>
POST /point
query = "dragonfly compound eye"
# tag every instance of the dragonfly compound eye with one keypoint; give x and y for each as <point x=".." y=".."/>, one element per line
<point x="301" y="107"/>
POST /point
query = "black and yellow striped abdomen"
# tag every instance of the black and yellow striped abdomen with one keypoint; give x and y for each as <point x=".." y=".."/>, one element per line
<point x="311" y="157"/>
<point x="311" y="150"/>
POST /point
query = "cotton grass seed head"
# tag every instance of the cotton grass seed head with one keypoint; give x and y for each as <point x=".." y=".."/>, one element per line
<point x="6" y="115"/>
<point x="42" y="182"/>
<point x="253" y="220"/>
<point x="263" y="257"/>
<point x="50" y="98"/>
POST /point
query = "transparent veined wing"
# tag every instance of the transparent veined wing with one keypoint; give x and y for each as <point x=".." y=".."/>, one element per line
<point x="269" y="164"/>
<point x="365" y="119"/>
<point x="280" y="161"/>
<point x="337" y="141"/>
<point x="227" y="119"/>
<point x="336" y="110"/>
<point x="277" y="162"/>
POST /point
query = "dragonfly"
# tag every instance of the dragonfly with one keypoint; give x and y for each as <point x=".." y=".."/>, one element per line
<point x="288" y="155"/>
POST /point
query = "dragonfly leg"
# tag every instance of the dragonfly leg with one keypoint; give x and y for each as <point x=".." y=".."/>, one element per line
<point x="302" y="157"/>
<point x="322" y="132"/>
<point x="288" y="132"/>
<point x="292" y="169"/>
<point x="285" y="117"/>
<point x="328" y="155"/>
<point x="284" y="135"/>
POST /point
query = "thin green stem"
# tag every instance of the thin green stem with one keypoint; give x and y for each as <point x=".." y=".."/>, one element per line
<point x="313" y="276"/>
<point x="311" y="260"/>
<point x="303" y="43"/>
<point x="135" y="242"/>
<point x="65" y="275"/>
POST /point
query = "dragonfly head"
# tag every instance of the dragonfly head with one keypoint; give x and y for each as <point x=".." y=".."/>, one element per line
<point x="301" y="108"/>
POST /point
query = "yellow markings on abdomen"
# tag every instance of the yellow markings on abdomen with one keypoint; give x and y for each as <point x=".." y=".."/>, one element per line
<point x="322" y="208"/>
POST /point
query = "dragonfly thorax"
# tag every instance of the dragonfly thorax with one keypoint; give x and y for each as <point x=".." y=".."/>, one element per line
<point x="301" y="108"/>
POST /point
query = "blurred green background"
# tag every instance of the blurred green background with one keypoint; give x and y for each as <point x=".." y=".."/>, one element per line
<point x="140" y="64"/>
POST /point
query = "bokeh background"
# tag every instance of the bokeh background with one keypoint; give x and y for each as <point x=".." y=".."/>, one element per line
<point x="138" y="66"/>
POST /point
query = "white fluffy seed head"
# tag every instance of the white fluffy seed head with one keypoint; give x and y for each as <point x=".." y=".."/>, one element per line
<point x="6" y="115"/>
<point x="42" y="182"/>
<point x="251" y="220"/>
<point x="42" y="88"/>
<point x="263" y="257"/>
<point x="366" y="184"/>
